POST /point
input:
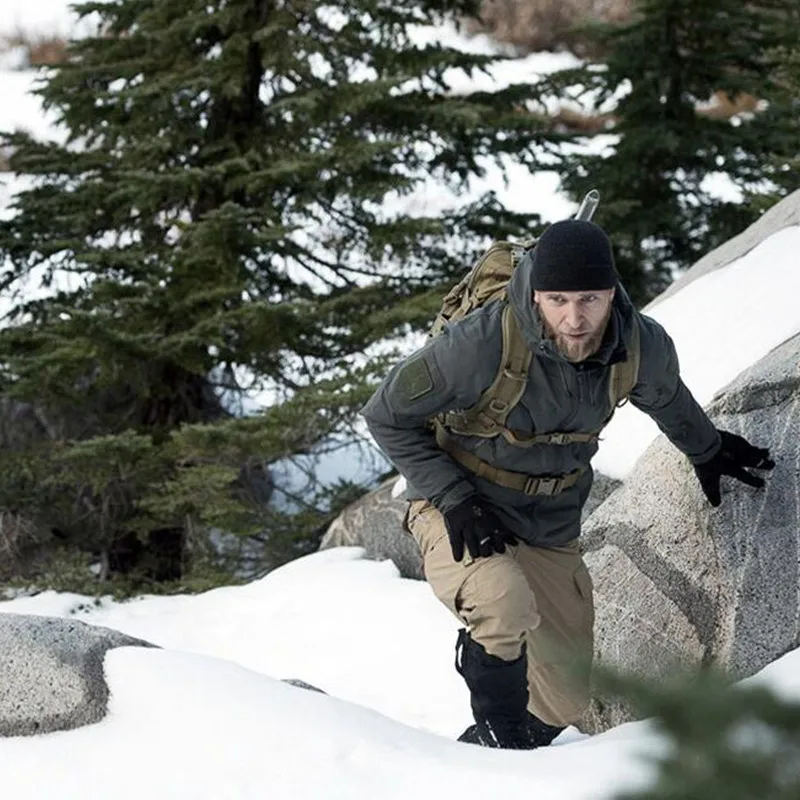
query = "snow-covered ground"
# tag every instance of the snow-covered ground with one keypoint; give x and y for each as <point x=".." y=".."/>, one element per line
<point x="208" y="716"/>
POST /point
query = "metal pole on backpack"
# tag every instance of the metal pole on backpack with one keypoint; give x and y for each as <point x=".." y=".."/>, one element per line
<point x="588" y="205"/>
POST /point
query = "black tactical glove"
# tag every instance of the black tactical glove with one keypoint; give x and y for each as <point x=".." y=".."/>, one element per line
<point x="474" y="524"/>
<point x="735" y="454"/>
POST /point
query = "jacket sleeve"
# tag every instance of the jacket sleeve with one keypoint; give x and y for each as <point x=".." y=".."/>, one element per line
<point x="662" y="394"/>
<point x="434" y="379"/>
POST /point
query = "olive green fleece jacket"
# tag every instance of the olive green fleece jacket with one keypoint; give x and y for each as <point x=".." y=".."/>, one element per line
<point x="453" y="369"/>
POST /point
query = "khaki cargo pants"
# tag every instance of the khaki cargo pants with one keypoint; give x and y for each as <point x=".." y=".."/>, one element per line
<point x="541" y="597"/>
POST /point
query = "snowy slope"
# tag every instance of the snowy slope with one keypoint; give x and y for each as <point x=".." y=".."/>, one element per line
<point x="206" y="717"/>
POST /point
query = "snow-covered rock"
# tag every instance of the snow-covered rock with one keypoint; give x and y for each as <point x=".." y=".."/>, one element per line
<point x="375" y="522"/>
<point x="51" y="673"/>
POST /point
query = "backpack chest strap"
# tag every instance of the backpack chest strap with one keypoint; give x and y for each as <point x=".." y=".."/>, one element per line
<point x="519" y="481"/>
<point x="521" y="439"/>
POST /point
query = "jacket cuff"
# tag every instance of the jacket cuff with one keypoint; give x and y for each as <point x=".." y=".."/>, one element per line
<point x="712" y="451"/>
<point x="454" y="496"/>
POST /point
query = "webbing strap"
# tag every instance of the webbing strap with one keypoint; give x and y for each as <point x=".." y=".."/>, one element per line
<point x="488" y="417"/>
<point x="527" y="484"/>
<point x="624" y="374"/>
<point x="526" y="440"/>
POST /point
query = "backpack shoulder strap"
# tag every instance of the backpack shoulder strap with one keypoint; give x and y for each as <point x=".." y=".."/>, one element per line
<point x="488" y="417"/>
<point x="624" y="374"/>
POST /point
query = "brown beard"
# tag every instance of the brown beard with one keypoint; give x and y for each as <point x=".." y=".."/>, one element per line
<point x="576" y="352"/>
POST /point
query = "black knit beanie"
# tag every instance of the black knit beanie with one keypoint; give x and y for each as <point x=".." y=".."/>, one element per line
<point x="573" y="256"/>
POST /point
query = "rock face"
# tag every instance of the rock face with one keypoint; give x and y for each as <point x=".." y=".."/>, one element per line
<point x="51" y="673"/>
<point x="679" y="584"/>
<point x="602" y="488"/>
<point x="375" y="522"/>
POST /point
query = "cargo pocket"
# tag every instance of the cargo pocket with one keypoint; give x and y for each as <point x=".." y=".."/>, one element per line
<point x="426" y="525"/>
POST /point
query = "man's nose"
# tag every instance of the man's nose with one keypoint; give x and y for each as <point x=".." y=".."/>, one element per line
<point x="574" y="316"/>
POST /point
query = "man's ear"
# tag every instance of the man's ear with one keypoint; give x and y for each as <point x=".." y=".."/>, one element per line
<point x="536" y="296"/>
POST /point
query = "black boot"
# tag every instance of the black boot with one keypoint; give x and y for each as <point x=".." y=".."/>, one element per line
<point x="539" y="734"/>
<point x="499" y="699"/>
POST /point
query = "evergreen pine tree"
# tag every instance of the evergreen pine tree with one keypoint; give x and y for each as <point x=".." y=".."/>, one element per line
<point x="722" y="741"/>
<point x="226" y="214"/>
<point x="657" y="162"/>
<point x="784" y="111"/>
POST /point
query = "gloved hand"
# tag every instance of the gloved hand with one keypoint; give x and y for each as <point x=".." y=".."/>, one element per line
<point x="735" y="454"/>
<point x="474" y="524"/>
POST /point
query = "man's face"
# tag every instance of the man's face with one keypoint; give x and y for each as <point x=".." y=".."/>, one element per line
<point x="575" y="321"/>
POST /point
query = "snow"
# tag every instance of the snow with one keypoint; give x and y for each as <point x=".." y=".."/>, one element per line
<point x="212" y="729"/>
<point x="40" y="18"/>
<point x="209" y="716"/>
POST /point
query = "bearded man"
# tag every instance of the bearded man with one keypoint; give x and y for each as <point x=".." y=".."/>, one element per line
<point x="496" y="510"/>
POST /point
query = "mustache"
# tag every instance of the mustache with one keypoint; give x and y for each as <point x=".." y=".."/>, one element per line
<point x="593" y="335"/>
